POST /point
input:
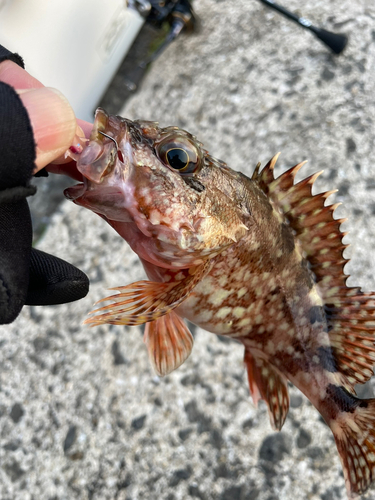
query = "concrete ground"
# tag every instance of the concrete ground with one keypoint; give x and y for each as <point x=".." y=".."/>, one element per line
<point x="82" y="415"/>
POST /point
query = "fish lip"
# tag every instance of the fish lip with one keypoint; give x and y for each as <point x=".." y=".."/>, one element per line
<point x="74" y="192"/>
<point x="100" y="123"/>
<point x="107" y="149"/>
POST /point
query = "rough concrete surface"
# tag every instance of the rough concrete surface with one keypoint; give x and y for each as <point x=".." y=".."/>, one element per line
<point x="82" y="416"/>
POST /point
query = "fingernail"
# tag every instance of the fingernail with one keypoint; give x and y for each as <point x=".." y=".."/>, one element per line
<point x="53" y="122"/>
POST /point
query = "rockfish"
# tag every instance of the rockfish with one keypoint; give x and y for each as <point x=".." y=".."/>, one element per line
<point x="259" y="260"/>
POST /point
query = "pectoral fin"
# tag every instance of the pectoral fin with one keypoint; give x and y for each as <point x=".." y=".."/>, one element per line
<point x="267" y="383"/>
<point x="169" y="343"/>
<point x="146" y="301"/>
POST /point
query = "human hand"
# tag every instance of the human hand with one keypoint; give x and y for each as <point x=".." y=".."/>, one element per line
<point x="55" y="127"/>
<point x="37" y="126"/>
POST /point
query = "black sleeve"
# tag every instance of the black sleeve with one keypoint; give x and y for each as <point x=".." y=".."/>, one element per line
<point x="27" y="276"/>
<point x="5" y="54"/>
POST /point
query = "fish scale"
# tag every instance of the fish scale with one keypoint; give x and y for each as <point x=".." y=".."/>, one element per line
<point x="258" y="259"/>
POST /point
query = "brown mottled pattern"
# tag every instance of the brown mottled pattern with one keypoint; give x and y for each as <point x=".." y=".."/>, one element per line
<point x="262" y="297"/>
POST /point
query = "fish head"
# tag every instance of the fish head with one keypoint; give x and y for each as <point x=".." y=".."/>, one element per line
<point x="163" y="193"/>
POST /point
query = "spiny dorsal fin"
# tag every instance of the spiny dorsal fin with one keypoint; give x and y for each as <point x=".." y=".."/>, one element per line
<point x="350" y="312"/>
<point x="315" y="228"/>
<point x="256" y="171"/>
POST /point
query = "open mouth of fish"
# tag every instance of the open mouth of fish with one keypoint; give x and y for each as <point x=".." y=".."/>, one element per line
<point x="104" y="168"/>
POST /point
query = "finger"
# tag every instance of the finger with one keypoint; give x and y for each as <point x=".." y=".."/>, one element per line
<point x="54" y="281"/>
<point x="69" y="169"/>
<point x="53" y="122"/>
<point x="76" y="146"/>
<point x="86" y="127"/>
<point x="65" y="165"/>
<point x="52" y="132"/>
<point x="14" y="75"/>
<point x="83" y="132"/>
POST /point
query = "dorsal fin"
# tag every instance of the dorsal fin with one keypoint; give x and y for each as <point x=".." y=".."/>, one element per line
<point x="313" y="223"/>
<point x="350" y="312"/>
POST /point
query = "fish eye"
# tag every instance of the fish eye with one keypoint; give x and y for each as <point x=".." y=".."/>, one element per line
<point x="177" y="158"/>
<point x="179" y="153"/>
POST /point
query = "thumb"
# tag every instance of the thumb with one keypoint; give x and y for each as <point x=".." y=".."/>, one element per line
<point x="53" y="122"/>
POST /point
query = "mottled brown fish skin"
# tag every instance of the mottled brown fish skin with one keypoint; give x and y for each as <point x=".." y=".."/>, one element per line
<point x="261" y="292"/>
<point x="259" y="260"/>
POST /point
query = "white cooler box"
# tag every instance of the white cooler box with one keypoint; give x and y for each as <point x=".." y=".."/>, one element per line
<point x="75" y="46"/>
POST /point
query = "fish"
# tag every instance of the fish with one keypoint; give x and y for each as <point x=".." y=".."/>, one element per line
<point x="258" y="259"/>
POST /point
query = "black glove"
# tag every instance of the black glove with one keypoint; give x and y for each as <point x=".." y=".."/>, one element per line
<point x="27" y="276"/>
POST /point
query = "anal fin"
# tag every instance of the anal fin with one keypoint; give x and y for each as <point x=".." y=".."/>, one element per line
<point x="267" y="383"/>
<point x="169" y="343"/>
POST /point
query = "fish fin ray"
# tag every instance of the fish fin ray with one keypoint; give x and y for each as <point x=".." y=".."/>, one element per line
<point x="351" y="325"/>
<point x="355" y="441"/>
<point x="267" y="383"/>
<point x="321" y="239"/>
<point x="169" y="343"/>
<point x="146" y="301"/>
<point x="312" y="221"/>
<point x="256" y="171"/>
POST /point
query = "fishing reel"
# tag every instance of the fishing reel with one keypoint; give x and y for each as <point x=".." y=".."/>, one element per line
<point x="157" y="12"/>
<point x="173" y="17"/>
<point x="177" y="15"/>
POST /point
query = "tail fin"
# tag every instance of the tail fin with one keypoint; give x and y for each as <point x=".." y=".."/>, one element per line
<point x="354" y="432"/>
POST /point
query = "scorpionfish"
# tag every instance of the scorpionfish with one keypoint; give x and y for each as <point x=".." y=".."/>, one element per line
<point x="259" y="260"/>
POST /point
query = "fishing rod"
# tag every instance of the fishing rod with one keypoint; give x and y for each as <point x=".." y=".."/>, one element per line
<point x="335" y="41"/>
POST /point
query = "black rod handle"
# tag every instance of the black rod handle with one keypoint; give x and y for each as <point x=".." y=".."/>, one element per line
<point x="335" y="41"/>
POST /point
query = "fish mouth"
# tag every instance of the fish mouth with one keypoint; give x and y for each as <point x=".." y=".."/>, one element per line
<point x="99" y="156"/>
<point x="73" y="193"/>
<point x="99" y="159"/>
